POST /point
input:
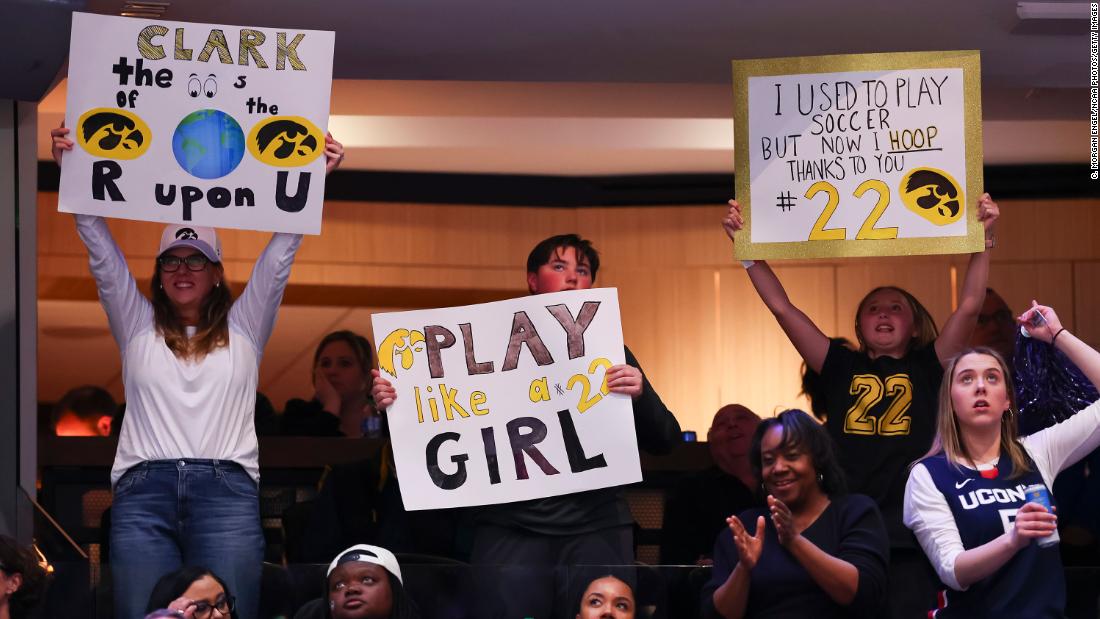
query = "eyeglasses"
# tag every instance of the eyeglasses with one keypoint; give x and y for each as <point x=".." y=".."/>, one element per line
<point x="171" y="264"/>
<point x="224" y="606"/>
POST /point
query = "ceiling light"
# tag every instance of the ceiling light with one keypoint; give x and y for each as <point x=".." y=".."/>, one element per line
<point x="1052" y="10"/>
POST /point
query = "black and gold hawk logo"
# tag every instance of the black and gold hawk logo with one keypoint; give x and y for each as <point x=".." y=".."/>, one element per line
<point x="186" y="233"/>
<point x="933" y="195"/>
<point x="113" y="133"/>
<point x="286" y="141"/>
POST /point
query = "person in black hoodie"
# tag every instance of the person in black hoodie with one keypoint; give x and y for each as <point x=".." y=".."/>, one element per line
<point x="531" y="538"/>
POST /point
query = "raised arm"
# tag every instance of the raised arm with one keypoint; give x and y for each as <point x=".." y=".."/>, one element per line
<point x="257" y="307"/>
<point x="1065" y="443"/>
<point x="127" y="309"/>
<point x="960" y="325"/>
<point x="808" y="340"/>
<point x="1051" y="331"/>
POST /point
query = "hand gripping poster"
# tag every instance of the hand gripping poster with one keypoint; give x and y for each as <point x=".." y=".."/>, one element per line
<point x="507" y="401"/>
<point x="197" y="123"/>
<point x="858" y="155"/>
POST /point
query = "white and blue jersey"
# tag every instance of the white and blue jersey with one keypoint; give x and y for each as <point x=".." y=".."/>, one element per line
<point x="1032" y="583"/>
<point x="952" y="508"/>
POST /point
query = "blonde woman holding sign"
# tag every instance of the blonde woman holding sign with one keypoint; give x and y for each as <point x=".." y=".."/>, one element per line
<point x="186" y="472"/>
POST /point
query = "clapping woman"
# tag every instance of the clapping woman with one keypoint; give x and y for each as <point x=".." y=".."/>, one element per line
<point x="814" y="551"/>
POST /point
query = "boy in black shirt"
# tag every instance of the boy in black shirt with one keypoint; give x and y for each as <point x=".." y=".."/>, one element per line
<point x="531" y="538"/>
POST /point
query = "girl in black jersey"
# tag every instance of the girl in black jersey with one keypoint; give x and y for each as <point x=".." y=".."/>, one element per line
<point x="880" y="401"/>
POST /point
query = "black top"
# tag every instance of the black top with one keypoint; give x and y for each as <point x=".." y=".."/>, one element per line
<point x="850" y="529"/>
<point x="309" y="418"/>
<point x="593" y="510"/>
<point x="697" y="510"/>
<point x="882" y="418"/>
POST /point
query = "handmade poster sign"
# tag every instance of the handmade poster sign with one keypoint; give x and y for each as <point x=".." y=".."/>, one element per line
<point x="858" y="155"/>
<point x="507" y="401"/>
<point x="196" y="123"/>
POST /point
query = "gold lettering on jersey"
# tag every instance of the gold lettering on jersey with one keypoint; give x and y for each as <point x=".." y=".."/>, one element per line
<point x="869" y="391"/>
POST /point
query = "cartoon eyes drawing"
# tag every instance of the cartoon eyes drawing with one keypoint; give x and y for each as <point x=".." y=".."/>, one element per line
<point x="196" y="86"/>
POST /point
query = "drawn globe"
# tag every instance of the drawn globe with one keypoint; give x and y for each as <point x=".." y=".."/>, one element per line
<point x="208" y="144"/>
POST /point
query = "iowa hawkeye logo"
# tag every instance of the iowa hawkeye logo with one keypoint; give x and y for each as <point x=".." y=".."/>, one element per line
<point x="286" y="141"/>
<point x="399" y="344"/>
<point x="113" y="134"/>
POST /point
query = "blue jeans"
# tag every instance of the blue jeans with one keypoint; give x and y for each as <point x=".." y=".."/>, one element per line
<point x="171" y="513"/>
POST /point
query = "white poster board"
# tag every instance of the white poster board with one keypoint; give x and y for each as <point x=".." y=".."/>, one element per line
<point x="196" y="123"/>
<point x="506" y="401"/>
<point x="871" y="154"/>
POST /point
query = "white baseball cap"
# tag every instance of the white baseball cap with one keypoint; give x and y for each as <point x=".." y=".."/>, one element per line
<point x="198" y="237"/>
<point x="364" y="553"/>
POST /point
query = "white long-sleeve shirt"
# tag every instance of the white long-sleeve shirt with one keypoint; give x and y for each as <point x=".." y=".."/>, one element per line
<point x="178" y="408"/>
<point x="928" y="514"/>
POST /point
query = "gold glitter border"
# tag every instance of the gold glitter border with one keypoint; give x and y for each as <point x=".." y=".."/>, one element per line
<point x="967" y="60"/>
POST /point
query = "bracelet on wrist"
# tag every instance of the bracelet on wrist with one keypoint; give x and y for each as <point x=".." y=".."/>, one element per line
<point x="1055" y="338"/>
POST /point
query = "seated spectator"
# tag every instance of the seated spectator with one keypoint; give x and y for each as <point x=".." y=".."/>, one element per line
<point x="607" y="597"/>
<point x="815" y="551"/>
<point x="996" y="326"/>
<point x="697" y="508"/>
<point x="84" y="411"/>
<point x="362" y="582"/>
<point x="22" y="580"/>
<point x="361" y="501"/>
<point x="192" y="592"/>
<point x="341" y="403"/>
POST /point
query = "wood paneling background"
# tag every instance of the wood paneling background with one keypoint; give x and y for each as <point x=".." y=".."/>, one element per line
<point x="689" y="312"/>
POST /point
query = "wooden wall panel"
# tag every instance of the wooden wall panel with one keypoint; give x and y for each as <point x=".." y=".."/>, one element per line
<point x="1086" y="277"/>
<point x="760" y="368"/>
<point x="670" y="325"/>
<point x="1048" y="230"/>
<point x="1049" y="283"/>
<point x="689" y="312"/>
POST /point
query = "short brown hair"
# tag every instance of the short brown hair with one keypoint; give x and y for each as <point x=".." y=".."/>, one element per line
<point x="546" y="249"/>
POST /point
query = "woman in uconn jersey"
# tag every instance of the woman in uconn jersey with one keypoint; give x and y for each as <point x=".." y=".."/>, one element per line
<point x="966" y="501"/>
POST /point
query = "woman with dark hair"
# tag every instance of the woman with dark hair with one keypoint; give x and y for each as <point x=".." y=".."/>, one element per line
<point x="362" y="582"/>
<point x="193" y="592"/>
<point x="22" y="581"/>
<point x="976" y="500"/>
<point x="815" y="550"/>
<point x="607" y="597"/>
<point x="341" y="404"/>
<point x="186" y="471"/>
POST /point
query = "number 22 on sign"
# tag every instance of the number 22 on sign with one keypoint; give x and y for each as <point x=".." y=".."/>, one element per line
<point x="867" y="231"/>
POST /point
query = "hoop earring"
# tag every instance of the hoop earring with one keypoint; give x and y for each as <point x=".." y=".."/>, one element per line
<point x="821" y="478"/>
